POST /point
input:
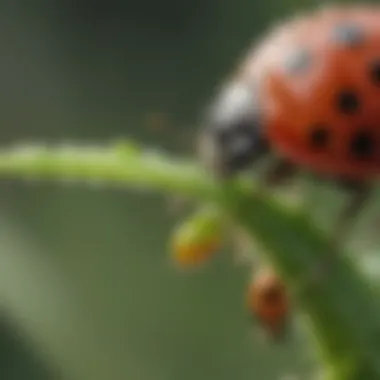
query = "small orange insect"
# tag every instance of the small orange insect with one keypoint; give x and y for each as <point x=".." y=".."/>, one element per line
<point x="268" y="302"/>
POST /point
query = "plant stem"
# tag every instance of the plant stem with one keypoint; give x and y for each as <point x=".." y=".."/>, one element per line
<point x="148" y="170"/>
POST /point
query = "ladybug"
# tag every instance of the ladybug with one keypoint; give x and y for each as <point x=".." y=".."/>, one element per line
<point x="309" y="95"/>
<point x="267" y="302"/>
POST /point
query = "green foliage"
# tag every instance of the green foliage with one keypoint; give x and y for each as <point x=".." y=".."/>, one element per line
<point x="331" y="292"/>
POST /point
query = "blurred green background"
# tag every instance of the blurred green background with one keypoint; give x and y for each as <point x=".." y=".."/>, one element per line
<point x="86" y="287"/>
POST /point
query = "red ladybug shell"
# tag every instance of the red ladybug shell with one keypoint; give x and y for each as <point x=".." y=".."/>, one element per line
<point x="318" y="80"/>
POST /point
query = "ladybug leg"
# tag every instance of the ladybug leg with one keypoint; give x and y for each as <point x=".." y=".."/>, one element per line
<point x="361" y="193"/>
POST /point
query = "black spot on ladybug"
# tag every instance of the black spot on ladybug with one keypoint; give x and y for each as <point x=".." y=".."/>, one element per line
<point x="348" y="35"/>
<point x="347" y="102"/>
<point x="374" y="72"/>
<point x="362" y="145"/>
<point x="319" y="136"/>
<point x="297" y="61"/>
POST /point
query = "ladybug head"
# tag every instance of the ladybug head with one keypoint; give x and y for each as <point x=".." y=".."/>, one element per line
<point x="231" y="138"/>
